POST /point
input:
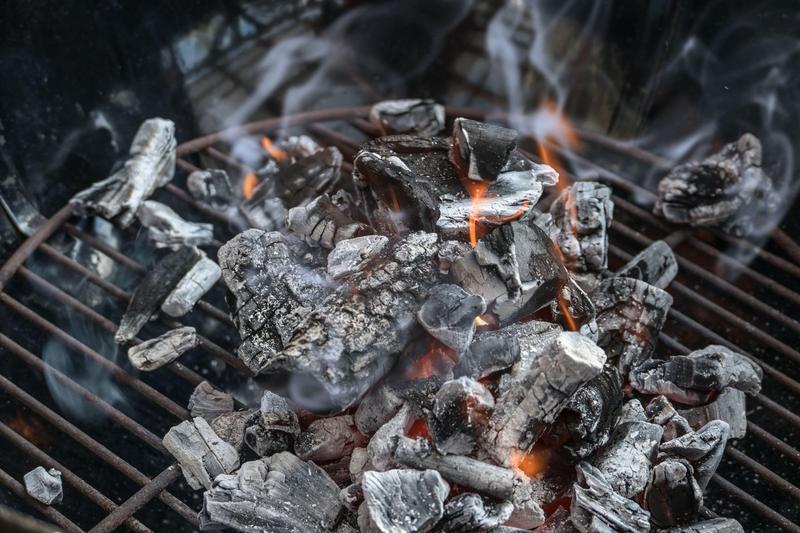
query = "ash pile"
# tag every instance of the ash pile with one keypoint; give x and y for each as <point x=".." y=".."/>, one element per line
<point x="460" y="356"/>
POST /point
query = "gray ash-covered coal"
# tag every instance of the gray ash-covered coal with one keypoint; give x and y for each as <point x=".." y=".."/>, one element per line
<point x="449" y="315"/>
<point x="211" y="187"/>
<point x="420" y="117"/>
<point x="321" y="223"/>
<point x="167" y="229"/>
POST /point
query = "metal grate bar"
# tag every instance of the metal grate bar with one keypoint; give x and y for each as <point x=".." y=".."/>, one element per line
<point x="777" y="518"/>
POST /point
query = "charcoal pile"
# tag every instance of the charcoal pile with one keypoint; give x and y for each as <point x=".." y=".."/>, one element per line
<point x="461" y="358"/>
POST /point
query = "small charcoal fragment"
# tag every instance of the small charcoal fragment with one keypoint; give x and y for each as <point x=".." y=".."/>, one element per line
<point x="209" y="402"/>
<point x="167" y="229"/>
<point x="381" y="446"/>
<point x="352" y="496"/>
<point x="231" y="426"/>
<point x="714" y="525"/>
<point x="211" y="187"/>
<point x="44" y="485"/>
<point x="702" y="448"/>
<point x="321" y="223"/>
<point x="351" y="256"/>
<point x="597" y="507"/>
<point x="655" y="265"/>
<point x="729" y="406"/>
<point x="558" y="522"/>
<point x="582" y="214"/>
<point x="153" y="290"/>
<point x="328" y="439"/>
<point x="198" y="281"/>
<point x="276" y="429"/>
<point x="155" y="353"/>
<point x="470" y="512"/>
<point x="660" y="411"/>
<point x="673" y="497"/>
<point x="421" y="117"/>
<point x="405" y="501"/>
<point x="480" y="151"/>
<point x="201" y="453"/>
<point x="377" y="408"/>
<point x="461" y="413"/>
<point x="450" y="252"/>
<point x="449" y="315"/>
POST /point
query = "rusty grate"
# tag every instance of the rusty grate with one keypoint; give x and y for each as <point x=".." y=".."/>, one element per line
<point x="718" y="299"/>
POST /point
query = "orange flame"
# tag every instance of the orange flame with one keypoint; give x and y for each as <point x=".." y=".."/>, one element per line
<point x="249" y="184"/>
<point x="561" y="132"/>
<point x="531" y="463"/>
<point x="277" y="153"/>
<point x="562" y="303"/>
<point x="435" y="359"/>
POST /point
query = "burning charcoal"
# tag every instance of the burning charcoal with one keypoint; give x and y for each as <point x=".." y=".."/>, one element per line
<point x="488" y="479"/>
<point x="350" y="256"/>
<point x="167" y="229"/>
<point x="320" y="223"/>
<point x="655" y="265"/>
<point x="299" y="146"/>
<point x="422" y="117"/>
<point x="580" y="311"/>
<point x="597" y="507"/>
<point x="481" y="150"/>
<point x="328" y="439"/>
<point x="702" y="448"/>
<point x="270" y="294"/>
<point x="673" y="497"/>
<point x="714" y="525"/>
<point x="231" y="426"/>
<point x="692" y="379"/>
<point x="153" y="290"/>
<point x="44" y="485"/>
<point x="558" y="522"/>
<point x="728" y="189"/>
<point x="450" y="252"/>
<point x="449" y="315"/>
<point x="660" y="411"/>
<point x="382" y="445"/>
<point x="359" y="460"/>
<point x="592" y="411"/>
<point x="276" y="429"/>
<point x="729" y="406"/>
<point x="202" y="454"/>
<point x="582" y="214"/>
<point x="460" y="415"/>
<point x="626" y="460"/>
<point x="208" y="402"/>
<point x="405" y="501"/>
<point x="470" y="512"/>
<point x="536" y="399"/>
<point x="211" y="187"/>
<point x="277" y="494"/>
<point x="515" y="268"/>
<point x="155" y="353"/>
<point x="525" y="342"/>
<point x="151" y="165"/>
<point x="198" y="281"/>
<point x="377" y="408"/>
<point x="630" y="314"/>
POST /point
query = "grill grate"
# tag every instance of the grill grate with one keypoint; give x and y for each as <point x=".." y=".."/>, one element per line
<point x="746" y="315"/>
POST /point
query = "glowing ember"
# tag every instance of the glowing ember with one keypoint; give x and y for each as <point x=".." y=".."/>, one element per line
<point x="276" y="153"/>
<point x="531" y="463"/>
<point x="249" y="184"/>
<point x="32" y="429"/>
<point x="434" y="361"/>
<point x="419" y="429"/>
<point x="479" y="321"/>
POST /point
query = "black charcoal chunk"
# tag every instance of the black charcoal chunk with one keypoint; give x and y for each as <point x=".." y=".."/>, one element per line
<point x="418" y="116"/>
<point x="44" y="485"/>
<point x="574" y="310"/>
<point x="461" y="413"/>
<point x="691" y="379"/>
<point x="231" y="426"/>
<point x="480" y="151"/>
<point x="582" y="214"/>
<point x="405" y="501"/>
<point x="167" y="229"/>
<point x="449" y="315"/>
<point x="728" y="189"/>
<point x="729" y="406"/>
<point x="321" y="223"/>
<point x="673" y="497"/>
<point x="153" y="290"/>
<point x="277" y="428"/>
<point x="597" y="507"/>
<point x="714" y="525"/>
<point x="655" y="265"/>
<point x="277" y="494"/>
<point x="660" y="411"/>
<point x="209" y="402"/>
<point x="630" y="315"/>
<point x="198" y="281"/>
<point x="328" y="439"/>
<point x="211" y="187"/>
<point x="377" y="408"/>
<point x="151" y="165"/>
<point x="201" y="453"/>
<point x="155" y="353"/>
<point x="702" y="448"/>
<point x="470" y="512"/>
<point x="351" y="256"/>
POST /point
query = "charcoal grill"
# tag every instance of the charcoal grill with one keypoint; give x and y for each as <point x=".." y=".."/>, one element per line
<point x="718" y="299"/>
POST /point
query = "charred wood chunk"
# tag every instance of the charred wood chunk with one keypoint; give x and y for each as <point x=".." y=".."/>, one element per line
<point x="488" y="479"/>
<point x="377" y="408"/>
<point x="198" y="281"/>
<point x="582" y="214"/>
<point x="422" y="117"/>
<point x="277" y="428"/>
<point x="328" y="439"/>
<point x="155" y="353"/>
<point x="480" y="151"/>
<point x="201" y="453"/>
<point x="449" y="315"/>
<point x="536" y="399"/>
<point x="596" y="506"/>
<point x="660" y="411"/>
<point x="628" y="457"/>
<point x="153" y="290"/>
<point x="405" y="501"/>
<point x="209" y="402"/>
<point x="591" y="413"/>
<point x="574" y="302"/>
<point x="630" y="315"/>
<point x="270" y="294"/>
<point x="277" y="494"/>
<point x="44" y="486"/>
<point x="211" y="187"/>
<point x="461" y="413"/>
<point x="728" y="189"/>
<point x="381" y="447"/>
<point x="352" y="256"/>
<point x="673" y="497"/>
<point x="515" y="268"/>
<point x="151" y="165"/>
<point x="321" y="223"/>
<point x="703" y="449"/>
<point x="655" y="265"/>
<point x="470" y="512"/>
<point x="714" y="525"/>
<point x="231" y="426"/>
<point x="167" y="229"/>
<point x="729" y="406"/>
<point x="692" y="379"/>
<point x="353" y="337"/>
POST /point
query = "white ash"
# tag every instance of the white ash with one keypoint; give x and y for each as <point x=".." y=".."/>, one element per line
<point x="597" y="507"/>
<point x="44" y="486"/>
<point x="449" y="315"/>
<point x="201" y="453"/>
<point x="155" y="353"/>
<point x="192" y="286"/>
<point x="167" y="229"/>
<point x="582" y="214"/>
<point x="673" y="496"/>
<point x="211" y="187"/>
<point x="359" y="462"/>
<point x="351" y="256"/>
<point x="729" y="406"/>
<point x="209" y="402"/>
<point x="470" y="512"/>
<point x="655" y="265"/>
<point x="702" y="448"/>
<point x="422" y="117"/>
<point x="461" y="413"/>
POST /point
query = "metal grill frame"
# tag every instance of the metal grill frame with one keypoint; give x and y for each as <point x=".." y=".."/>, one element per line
<point x="313" y="122"/>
